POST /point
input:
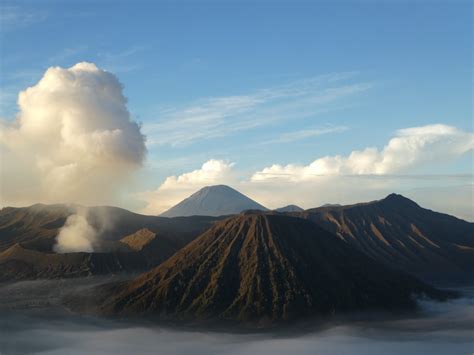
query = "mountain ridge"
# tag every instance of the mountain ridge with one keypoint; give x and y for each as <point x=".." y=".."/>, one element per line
<point x="40" y="224"/>
<point x="397" y="231"/>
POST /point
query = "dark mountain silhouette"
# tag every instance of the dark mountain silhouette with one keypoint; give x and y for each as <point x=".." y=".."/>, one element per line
<point x="218" y="200"/>
<point x="394" y="231"/>
<point x="401" y="234"/>
<point x="289" y="208"/>
<point x="37" y="226"/>
<point x="331" y="205"/>
<point x="262" y="269"/>
<point x="20" y="263"/>
<point x="137" y="252"/>
<point x="28" y="235"/>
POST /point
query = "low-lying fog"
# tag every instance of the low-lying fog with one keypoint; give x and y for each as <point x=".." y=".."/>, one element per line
<point x="33" y="322"/>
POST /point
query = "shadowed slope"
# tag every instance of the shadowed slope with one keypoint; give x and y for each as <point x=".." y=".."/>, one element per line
<point x="398" y="232"/>
<point x="19" y="263"/>
<point x="28" y="235"/>
<point x="289" y="208"/>
<point x="263" y="268"/>
<point x="37" y="226"/>
<point x="26" y="224"/>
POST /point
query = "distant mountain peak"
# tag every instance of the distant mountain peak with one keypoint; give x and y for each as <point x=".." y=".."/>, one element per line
<point x="397" y="231"/>
<point x="394" y="196"/>
<point x="331" y="205"/>
<point x="215" y="200"/>
<point x="397" y="199"/>
<point x="217" y="187"/>
<point x="290" y="208"/>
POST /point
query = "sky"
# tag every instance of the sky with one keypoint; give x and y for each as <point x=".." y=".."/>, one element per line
<point x="138" y="104"/>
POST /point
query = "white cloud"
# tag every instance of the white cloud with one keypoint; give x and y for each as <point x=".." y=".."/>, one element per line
<point x="222" y="116"/>
<point x="306" y="133"/>
<point x="363" y="175"/>
<point x="409" y="149"/>
<point x="73" y="139"/>
<point x="176" y="188"/>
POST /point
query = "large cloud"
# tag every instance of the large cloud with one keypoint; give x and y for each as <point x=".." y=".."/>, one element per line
<point x="73" y="139"/>
<point x="409" y="149"/>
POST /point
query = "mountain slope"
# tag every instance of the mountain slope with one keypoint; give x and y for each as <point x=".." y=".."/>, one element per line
<point x="398" y="232"/>
<point x="218" y="200"/>
<point x="28" y="235"/>
<point x="26" y="224"/>
<point x="19" y="263"/>
<point x="152" y="248"/>
<point x="262" y="269"/>
<point x="139" y="240"/>
<point x="37" y="226"/>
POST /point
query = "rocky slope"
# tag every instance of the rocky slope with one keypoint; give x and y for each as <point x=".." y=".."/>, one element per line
<point x="18" y="263"/>
<point x="126" y="241"/>
<point x="262" y="269"/>
<point x="401" y="234"/>
<point x="37" y="226"/>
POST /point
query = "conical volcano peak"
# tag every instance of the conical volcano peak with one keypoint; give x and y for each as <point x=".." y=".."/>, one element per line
<point x="217" y="200"/>
<point x="398" y="200"/>
<point x="264" y="267"/>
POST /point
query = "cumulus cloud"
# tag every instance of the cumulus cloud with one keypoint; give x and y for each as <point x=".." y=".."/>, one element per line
<point x="410" y="148"/>
<point x="176" y="188"/>
<point x="372" y="173"/>
<point x="73" y="139"/>
<point x="363" y="175"/>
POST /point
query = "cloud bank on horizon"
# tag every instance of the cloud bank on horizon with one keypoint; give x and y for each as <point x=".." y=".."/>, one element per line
<point x="73" y="139"/>
<point x="410" y="148"/>
<point x="326" y="178"/>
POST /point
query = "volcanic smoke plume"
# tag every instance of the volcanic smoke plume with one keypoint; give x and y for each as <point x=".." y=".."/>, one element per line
<point x="75" y="135"/>
<point x="76" y="235"/>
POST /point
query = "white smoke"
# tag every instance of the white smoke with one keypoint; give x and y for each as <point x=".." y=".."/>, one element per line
<point x="85" y="230"/>
<point x="76" y="235"/>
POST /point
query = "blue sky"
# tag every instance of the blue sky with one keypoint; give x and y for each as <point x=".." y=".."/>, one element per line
<point x="270" y="82"/>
